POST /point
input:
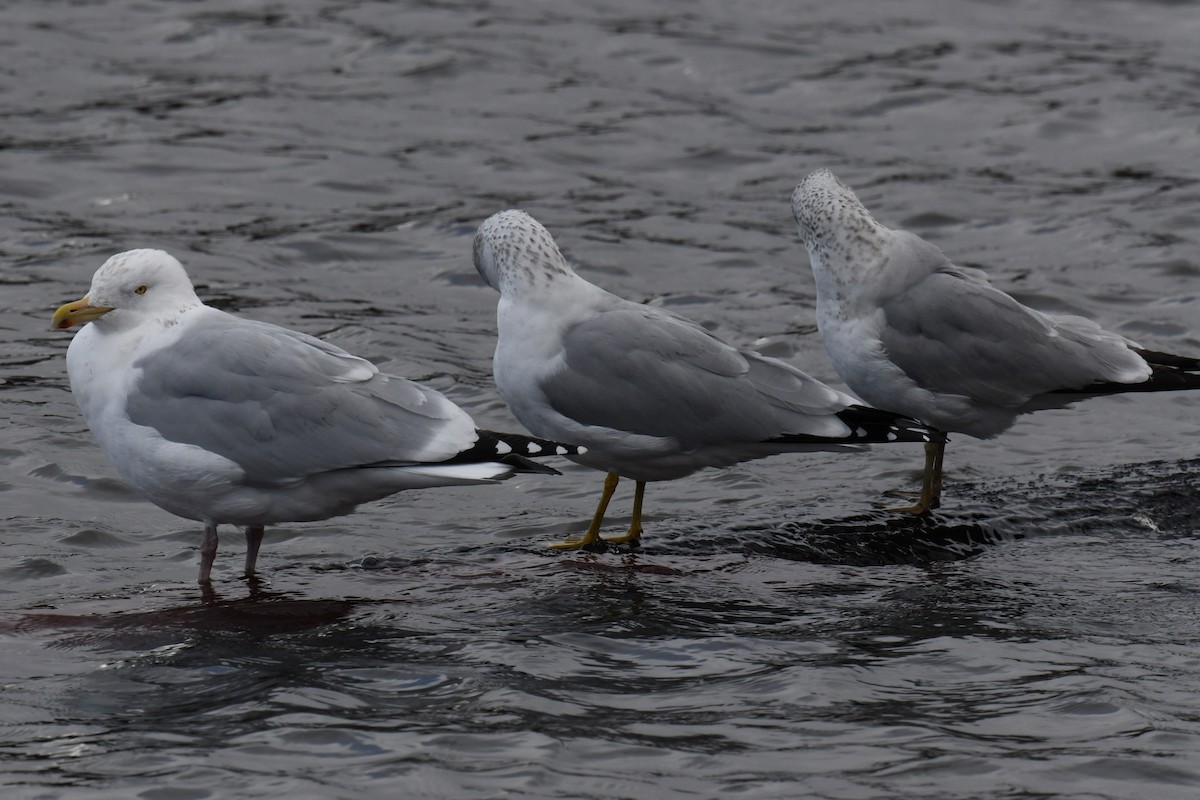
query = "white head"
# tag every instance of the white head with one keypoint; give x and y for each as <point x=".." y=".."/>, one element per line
<point x="513" y="251"/>
<point x="136" y="283"/>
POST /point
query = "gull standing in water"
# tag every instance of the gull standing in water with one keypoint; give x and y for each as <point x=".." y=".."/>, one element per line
<point x="908" y="330"/>
<point x="222" y="419"/>
<point x="652" y="396"/>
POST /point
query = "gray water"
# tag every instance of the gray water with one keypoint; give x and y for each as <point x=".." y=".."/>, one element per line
<point x="323" y="165"/>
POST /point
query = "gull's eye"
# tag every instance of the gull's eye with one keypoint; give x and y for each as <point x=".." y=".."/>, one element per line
<point x="141" y="289"/>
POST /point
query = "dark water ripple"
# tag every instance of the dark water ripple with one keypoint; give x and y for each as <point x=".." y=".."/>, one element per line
<point x="712" y="662"/>
<point x="323" y="165"/>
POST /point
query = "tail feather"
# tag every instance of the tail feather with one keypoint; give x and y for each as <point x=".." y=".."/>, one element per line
<point x="872" y="426"/>
<point x="515" y="450"/>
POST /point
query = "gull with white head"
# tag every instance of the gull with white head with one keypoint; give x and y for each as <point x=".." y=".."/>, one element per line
<point x="908" y="330"/>
<point x="221" y="419"/>
<point x="652" y="396"/>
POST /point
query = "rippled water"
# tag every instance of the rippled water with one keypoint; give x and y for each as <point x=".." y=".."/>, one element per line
<point x="323" y="165"/>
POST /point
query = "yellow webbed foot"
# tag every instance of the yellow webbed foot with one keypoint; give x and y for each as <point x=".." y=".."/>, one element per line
<point x="633" y="535"/>
<point x="916" y="509"/>
<point x="588" y="538"/>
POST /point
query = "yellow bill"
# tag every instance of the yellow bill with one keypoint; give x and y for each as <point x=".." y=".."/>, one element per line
<point x="77" y="313"/>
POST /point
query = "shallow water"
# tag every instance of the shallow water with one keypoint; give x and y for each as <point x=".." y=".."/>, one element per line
<point x="324" y="165"/>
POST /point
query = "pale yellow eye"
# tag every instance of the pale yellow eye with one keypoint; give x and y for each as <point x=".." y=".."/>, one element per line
<point x="141" y="289"/>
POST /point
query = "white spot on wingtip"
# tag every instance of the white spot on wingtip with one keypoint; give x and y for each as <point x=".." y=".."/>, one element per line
<point x="533" y="447"/>
<point x="891" y="437"/>
<point x="502" y="448"/>
<point x="860" y="432"/>
<point x="560" y="451"/>
<point x="580" y="450"/>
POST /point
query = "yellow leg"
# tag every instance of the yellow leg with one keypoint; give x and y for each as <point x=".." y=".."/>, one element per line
<point x="635" y="526"/>
<point x="931" y="481"/>
<point x="592" y="534"/>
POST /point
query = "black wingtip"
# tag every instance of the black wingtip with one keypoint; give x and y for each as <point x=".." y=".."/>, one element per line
<point x="872" y="426"/>
<point x="877" y="426"/>
<point x="1168" y="373"/>
<point x="1158" y="359"/>
<point x="495" y="446"/>
<point x="523" y="464"/>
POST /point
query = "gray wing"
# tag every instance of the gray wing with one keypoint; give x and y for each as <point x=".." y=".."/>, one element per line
<point x="954" y="332"/>
<point x="642" y="370"/>
<point x="282" y="404"/>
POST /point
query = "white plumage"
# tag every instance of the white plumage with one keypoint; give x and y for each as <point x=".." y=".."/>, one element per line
<point x="225" y="420"/>
<point x="910" y="331"/>
<point x="653" y="396"/>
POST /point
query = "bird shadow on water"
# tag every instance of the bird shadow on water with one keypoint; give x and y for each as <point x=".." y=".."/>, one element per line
<point x="260" y="612"/>
<point x="1156" y="498"/>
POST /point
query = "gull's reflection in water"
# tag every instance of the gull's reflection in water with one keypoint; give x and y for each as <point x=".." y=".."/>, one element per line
<point x="260" y="611"/>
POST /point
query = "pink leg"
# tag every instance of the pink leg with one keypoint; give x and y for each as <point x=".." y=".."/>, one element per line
<point x="208" y="551"/>
<point x="254" y="537"/>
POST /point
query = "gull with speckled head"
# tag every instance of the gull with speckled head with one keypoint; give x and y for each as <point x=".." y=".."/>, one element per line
<point x="651" y="395"/>
<point x="221" y="419"/>
<point x="908" y="330"/>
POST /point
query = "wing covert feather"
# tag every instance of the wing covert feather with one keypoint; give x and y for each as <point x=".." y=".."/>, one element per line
<point x="282" y="404"/>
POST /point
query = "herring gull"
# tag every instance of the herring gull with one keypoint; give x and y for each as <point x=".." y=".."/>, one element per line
<point x="222" y="419"/>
